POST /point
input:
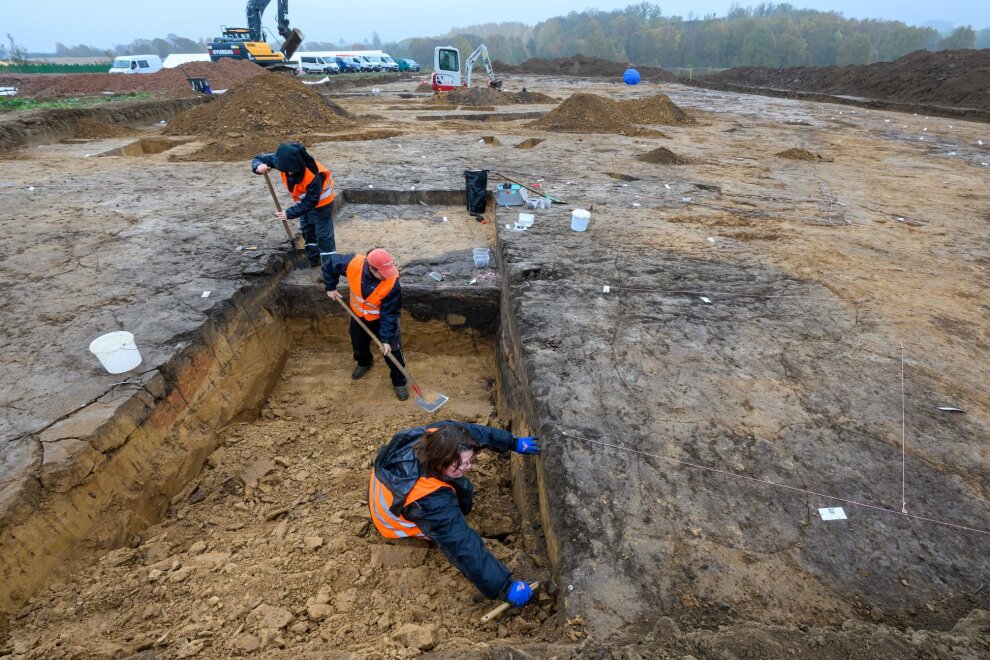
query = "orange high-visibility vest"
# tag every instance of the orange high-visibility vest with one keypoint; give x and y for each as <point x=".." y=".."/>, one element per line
<point x="390" y="525"/>
<point x="326" y="195"/>
<point x="370" y="309"/>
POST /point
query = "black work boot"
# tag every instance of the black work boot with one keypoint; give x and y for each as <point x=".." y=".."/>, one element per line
<point x="360" y="371"/>
<point x="401" y="392"/>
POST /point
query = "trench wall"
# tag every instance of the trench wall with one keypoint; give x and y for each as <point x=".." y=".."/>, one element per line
<point x="109" y="469"/>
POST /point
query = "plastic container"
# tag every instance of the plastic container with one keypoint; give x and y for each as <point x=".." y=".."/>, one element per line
<point x="117" y="351"/>
<point x="580" y="219"/>
<point x="545" y="203"/>
<point x="480" y="257"/>
<point x="525" y="220"/>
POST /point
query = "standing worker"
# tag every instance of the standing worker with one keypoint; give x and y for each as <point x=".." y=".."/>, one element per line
<point x="376" y="299"/>
<point x="312" y="188"/>
<point x="418" y="489"/>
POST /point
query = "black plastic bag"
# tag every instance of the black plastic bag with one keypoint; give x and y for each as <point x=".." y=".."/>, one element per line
<point x="476" y="190"/>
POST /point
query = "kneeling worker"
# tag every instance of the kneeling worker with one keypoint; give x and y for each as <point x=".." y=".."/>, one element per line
<point x="418" y="489"/>
<point x="377" y="300"/>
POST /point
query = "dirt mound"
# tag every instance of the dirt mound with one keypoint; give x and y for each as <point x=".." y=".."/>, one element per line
<point x="244" y="146"/>
<point x="662" y="156"/>
<point x="657" y="109"/>
<point x="222" y="75"/>
<point x="955" y="78"/>
<point x="581" y="65"/>
<point x="90" y="129"/>
<point x="797" y="153"/>
<point x="482" y="96"/>
<point x="272" y="104"/>
<point x="589" y="113"/>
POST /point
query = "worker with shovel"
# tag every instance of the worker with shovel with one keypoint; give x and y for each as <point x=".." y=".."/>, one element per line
<point x="376" y="302"/>
<point x="418" y="489"/>
<point x="311" y="185"/>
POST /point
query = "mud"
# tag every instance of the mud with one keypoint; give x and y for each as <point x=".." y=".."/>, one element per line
<point x="813" y="274"/>
<point x="956" y="78"/>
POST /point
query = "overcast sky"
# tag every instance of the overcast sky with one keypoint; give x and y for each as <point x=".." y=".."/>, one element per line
<point x="103" y="23"/>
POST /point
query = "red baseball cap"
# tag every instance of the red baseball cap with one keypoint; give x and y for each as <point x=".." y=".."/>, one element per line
<point x="382" y="261"/>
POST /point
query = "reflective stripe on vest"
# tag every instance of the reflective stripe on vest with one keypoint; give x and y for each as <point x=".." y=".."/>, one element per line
<point x="369" y="309"/>
<point x="299" y="192"/>
<point x="380" y="499"/>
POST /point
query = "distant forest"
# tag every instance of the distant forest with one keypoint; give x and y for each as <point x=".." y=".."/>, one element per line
<point x="766" y="35"/>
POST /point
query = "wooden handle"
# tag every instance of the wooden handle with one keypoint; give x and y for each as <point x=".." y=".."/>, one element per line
<point x="504" y="606"/>
<point x="378" y="341"/>
<point x="278" y="207"/>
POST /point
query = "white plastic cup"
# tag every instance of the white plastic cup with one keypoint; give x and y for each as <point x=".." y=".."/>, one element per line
<point x="117" y="351"/>
<point x="580" y="219"/>
<point x="545" y="203"/>
<point x="480" y="257"/>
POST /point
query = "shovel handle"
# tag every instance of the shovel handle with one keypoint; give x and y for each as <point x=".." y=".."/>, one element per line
<point x="378" y="341"/>
<point x="495" y="612"/>
<point x="278" y="207"/>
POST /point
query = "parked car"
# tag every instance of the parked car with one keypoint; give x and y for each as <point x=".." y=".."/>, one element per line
<point x="316" y="64"/>
<point x="349" y="65"/>
<point x="136" y="64"/>
<point x="390" y="64"/>
<point x="408" y="65"/>
<point x="368" y="65"/>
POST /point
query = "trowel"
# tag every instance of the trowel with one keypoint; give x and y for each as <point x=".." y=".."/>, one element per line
<point x="549" y="586"/>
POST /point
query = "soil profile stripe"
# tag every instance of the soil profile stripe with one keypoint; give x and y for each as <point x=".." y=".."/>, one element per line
<point x="775" y="484"/>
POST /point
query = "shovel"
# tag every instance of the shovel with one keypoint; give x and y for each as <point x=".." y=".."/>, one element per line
<point x="301" y="258"/>
<point x="427" y="399"/>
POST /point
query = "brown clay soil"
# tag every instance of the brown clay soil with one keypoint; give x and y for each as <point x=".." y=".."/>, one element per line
<point x="256" y="115"/>
<point x="222" y="75"/>
<point x="482" y="96"/>
<point x="271" y="548"/>
<point x="956" y="78"/>
<point x="662" y="156"/>
<point x="583" y="66"/>
<point x="797" y="153"/>
<point x="88" y="129"/>
<point x="590" y="113"/>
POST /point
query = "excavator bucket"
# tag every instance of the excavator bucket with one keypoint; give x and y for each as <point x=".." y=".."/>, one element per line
<point x="292" y="42"/>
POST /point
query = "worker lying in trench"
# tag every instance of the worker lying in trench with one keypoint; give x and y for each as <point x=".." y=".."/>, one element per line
<point x="418" y="489"/>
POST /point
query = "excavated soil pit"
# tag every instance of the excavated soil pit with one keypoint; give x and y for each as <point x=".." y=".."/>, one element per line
<point x="529" y="143"/>
<point x="144" y="147"/>
<point x="491" y="140"/>
<point x="494" y="116"/>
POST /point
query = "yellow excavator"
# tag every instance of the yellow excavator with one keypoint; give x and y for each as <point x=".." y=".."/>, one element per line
<point x="249" y="43"/>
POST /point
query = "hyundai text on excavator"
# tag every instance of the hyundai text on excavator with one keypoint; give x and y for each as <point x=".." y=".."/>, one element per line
<point x="447" y="68"/>
<point x="249" y="43"/>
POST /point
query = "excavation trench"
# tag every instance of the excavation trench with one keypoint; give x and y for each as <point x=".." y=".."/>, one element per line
<point x="228" y="505"/>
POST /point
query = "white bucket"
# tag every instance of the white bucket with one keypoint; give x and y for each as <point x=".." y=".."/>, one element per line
<point x="480" y="257"/>
<point x="117" y="351"/>
<point x="580" y="219"/>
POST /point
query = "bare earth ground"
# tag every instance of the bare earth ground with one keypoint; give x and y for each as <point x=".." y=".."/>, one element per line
<point x="817" y="272"/>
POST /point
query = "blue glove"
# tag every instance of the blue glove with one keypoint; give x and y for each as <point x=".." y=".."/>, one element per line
<point x="519" y="594"/>
<point x="529" y="445"/>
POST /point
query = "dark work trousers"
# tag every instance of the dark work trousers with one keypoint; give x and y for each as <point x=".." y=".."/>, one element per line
<point x="317" y="231"/>
<point x="361" y="343"/>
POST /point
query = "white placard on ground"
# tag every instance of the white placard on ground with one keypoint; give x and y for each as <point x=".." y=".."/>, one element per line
<point x="832" y="513"/>
<point x="706" y="300"/>
<point x="606" y="289"/>
<point x="206" y="294"/>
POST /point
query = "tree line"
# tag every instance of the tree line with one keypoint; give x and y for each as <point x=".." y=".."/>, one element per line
<point x="767" y="35"/>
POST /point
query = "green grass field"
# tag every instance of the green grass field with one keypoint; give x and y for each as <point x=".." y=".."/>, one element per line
<point x="11" y="103"/>
<point x="55" y="68"/>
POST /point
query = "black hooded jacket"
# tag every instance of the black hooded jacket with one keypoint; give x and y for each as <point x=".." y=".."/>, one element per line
<point x="293" y="159"/>
<point x="440" y="515"/>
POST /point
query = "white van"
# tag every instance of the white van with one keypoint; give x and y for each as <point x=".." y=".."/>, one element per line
<point x="317" y="64"/>
<point x="136" y="64"/>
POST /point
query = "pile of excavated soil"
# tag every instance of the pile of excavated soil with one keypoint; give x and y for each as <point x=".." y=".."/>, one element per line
<point x="956" y="78"/>
<point x="581" y="65"/>
<point x="91" y="129"/>
<point x="257" y="115"/>
<point x="423" y="87"/>
<point x="270" y="549"/>
<point x="222" y="75"/>
<point x="797" y="153"/>
<point x="589" y="113"/>
<point x="482" y="96"/>
<point x="662" y="156"/>
<point x="271" y="103"/>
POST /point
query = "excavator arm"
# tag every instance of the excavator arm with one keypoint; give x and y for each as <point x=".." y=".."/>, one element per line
<point x="292" y="38"/>
<point x="482" y="52"/>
